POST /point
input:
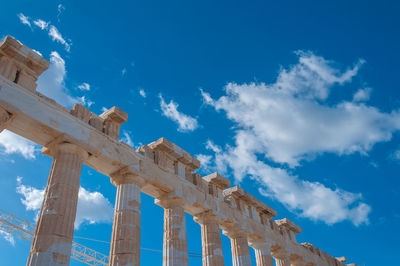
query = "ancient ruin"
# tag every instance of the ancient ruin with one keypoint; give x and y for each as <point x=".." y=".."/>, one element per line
<point x="160" y="169"/>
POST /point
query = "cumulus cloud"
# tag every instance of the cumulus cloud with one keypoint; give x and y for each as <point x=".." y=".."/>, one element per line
<point x="290" y="121"/>
<point x="185" y="123"/>
<point x="24" y="19"/>
<point x="15" y="144"/>
<point x="52" y="83"/>
<point x="56" y="36"/>
<point x="93" y="207"/>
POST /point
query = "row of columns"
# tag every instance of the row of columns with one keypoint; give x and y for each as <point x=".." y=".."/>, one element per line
<point x="52" y="241"/>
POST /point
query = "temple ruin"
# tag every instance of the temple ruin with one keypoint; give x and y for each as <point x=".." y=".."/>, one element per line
<point x="160" y="169"/>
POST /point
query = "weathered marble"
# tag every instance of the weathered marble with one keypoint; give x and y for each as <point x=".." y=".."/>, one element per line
<point x="55" y="227"/>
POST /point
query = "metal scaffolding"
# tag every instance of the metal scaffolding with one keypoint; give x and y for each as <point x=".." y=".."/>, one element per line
<point x="16" y="226"/>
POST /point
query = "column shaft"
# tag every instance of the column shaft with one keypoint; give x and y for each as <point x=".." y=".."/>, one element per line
<point x="240" y="250"/>
<point x="125" y="239"/>
<point x="175" y="245"/>
<point x="263" y="256"/>
<point x="282" y="262"/>
<point x="211" y="242"/>
<point x="55" y="227"/>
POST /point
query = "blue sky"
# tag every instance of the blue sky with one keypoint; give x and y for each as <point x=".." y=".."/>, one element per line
<point x="297" y="102"/>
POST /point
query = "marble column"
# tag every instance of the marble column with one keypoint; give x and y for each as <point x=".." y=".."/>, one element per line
<point x="281" y="258"/>
<point x="211" y="240"/>
<point x="125" y="239"/>
<point x="4" y="118"/>
<point x="55" y="227"/>
<point x="240" y="248"/>
<point x="284" y="261"/>
<point x="263" y="253"/>
<point x="175" y="251"/>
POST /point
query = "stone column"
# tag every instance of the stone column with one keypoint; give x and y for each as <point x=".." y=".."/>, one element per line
<point x="281" y="257"/>
<point x="175" y="244"/>
<point x="211" y="240"/>
<point x="55" y="228"/>
<point x="282" y="261"/>
<point x="125" y="239"/>
<point x="240" y="248"/>
<point x="4" y="118"/>
<point x="263" y="253"/>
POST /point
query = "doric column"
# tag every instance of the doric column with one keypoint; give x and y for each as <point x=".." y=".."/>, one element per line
<point x="240" y="248"/>
<point x="4" y="118"/>
<point x="125" y="239"/>
<point x="55" y="228"/>
<point x="263" y="252"/>
<point x="281" y="257"/>
<point x="211" y="240"/>
<point x="175" y="244"/>
<point x="282" y="261"/>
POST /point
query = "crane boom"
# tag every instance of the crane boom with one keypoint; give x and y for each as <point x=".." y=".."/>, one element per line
<point x="16" y="226"/>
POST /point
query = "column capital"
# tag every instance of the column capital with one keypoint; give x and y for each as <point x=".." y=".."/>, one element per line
<point x="54" y="149"/>
<point x="260" y="243"/>
<point x="234" y="232"/>
<point x="280" y="253"/>
<point x="206" y="217"/>
<point x="170" y="202"/>
<point x="127" y="175"/>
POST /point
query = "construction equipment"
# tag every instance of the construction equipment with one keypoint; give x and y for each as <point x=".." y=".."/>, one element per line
<point x="16" y="226"/>
<point x="21" y="228"/>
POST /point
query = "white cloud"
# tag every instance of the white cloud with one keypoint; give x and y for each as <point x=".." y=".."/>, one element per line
<point x="84" y="86"/>
<point x="24" y="19"/>
<point x="15" y="144"/>
<point x="362" y="95"/>
<point x="142" y="93"/>
<point x="93" y="207"/>
<point x="56" y="36"/>
<point x="127" y="139"/>
<point x="290" y="121"/>
<point x="53" y="32"/>
<point x="186" y="123"/>
<point x="60" y="9"/>
<point x="52" y="83"/>
<point x="205" y="160"/>
<point x="43" y="25"/>
<point x="8" y="237"/>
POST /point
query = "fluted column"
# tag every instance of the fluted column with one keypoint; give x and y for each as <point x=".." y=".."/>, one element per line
<point x="175" y="251"/>
<point x="211" y="240"/>
<point x="240" y="248"/>
<point x="263" y="253"/>
<point x="55" y="228"/>
<point x="4" y="118"/>
<point x="281" y="257"/>
<point x="125" y="239"/>
<point x="282" y="261"/>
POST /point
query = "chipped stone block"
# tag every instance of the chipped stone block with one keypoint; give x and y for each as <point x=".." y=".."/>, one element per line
<point x="20" y="64"/>
<point x="81" y="112"/>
